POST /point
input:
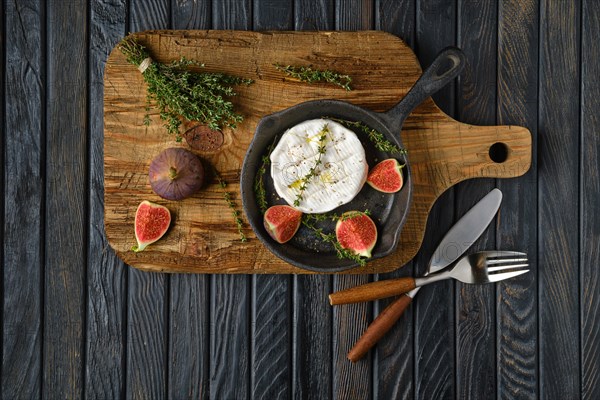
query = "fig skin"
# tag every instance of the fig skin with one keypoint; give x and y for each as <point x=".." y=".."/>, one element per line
<point x="176" y="174"/>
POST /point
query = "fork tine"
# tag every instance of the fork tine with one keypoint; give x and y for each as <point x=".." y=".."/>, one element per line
<point x="508" y="266"/>
<point x="502" y="253"/>
<point x="504" y="260"/>
<point x="506" y="275"/>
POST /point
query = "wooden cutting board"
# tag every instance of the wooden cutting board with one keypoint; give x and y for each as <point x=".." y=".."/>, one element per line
<point x="204" y="237"/>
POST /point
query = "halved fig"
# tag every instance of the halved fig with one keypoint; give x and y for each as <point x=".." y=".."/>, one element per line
<point x="282" y="222"/>
<point x="151" y="222"/>
<point x="356" y="231"/>
<point x="386" y="176"/>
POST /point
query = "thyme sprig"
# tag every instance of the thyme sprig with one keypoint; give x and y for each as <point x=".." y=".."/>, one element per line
<point x="234" y="211"/>
<point x="259" y="180"/>
<point x="376" y="137"/>
<point x="180" y="92"/>
<point x="308" y="220"/>
<point x="310" y="75"/>
<point x="312" y="172"/>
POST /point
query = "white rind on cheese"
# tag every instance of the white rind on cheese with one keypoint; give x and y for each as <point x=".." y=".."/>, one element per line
<point x="339" y="177"/>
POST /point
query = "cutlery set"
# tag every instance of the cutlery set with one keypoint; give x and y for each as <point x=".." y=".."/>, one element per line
<point x="477" y="268"/>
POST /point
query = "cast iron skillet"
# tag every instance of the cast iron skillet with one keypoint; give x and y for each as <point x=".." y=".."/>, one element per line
<point x="389" y="211"/>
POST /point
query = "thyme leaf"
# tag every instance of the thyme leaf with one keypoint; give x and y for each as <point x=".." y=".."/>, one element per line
<point x="180" y="92"/>
<point x="310" y="75"/>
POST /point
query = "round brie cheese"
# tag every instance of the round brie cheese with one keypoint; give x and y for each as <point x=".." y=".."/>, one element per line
<point x="318" y="165"/>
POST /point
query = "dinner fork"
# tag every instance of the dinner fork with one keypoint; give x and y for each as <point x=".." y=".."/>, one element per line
<point x="481" y="267"/>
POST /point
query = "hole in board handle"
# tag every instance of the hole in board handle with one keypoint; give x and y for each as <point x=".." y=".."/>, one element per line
<point x="498" y="152"/>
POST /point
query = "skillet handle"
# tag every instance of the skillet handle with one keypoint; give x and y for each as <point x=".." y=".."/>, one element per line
<point x="446" y="66"/>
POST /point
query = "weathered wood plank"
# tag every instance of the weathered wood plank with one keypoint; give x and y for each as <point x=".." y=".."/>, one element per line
<point x="589" y="236"/>
<point x="516" y="339"/>
<point x="476" y="324"/>
<point x="436" y="28"/>
<point x="147" y="303"/>
<point x="312" y="316"/>
<point x="21" y="215"/>
<point x="66" y="213"/>
<point x="230" y="357"/>
<point x="189" y="296"/>
<point x="558" y="202"/>
<point x="349" y="322"/>
<point x="393" y="356"/>
<point x="271" y="375"/>
<point x="434" y="317"/>
<point x="106" y="279"/>
<point x="311" y="15"/>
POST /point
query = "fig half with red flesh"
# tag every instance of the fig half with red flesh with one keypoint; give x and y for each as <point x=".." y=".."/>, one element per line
<point x="282" y="222"/>
<point x="356" y="231"/>
<point x="151" y="222"/>
<point x="386" y="176"/>
<point x="176" y="173"/>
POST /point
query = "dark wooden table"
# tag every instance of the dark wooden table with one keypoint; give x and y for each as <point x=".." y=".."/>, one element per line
<point x="78" y="323"/>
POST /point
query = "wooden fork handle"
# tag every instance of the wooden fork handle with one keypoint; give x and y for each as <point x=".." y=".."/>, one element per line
<point x="372" y="291"/>
<point x="379" y="327"/>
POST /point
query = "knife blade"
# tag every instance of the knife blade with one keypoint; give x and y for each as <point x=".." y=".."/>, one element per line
<point x="456" y="241"/>
<point x="464" y="233"/>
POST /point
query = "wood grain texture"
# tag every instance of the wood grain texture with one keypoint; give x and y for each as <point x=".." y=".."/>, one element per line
<point x="272" y="309"/>
<point x="516" y="318"/>
<point x="434" y="316"/>
<point x="440" y="157"/>
<point x="314" y="15"/>
<point x="148" y="294"/>
<point x="589" y="235"/>
<point x="189" y="334"/>
<point x="475" y="304"/>
<point x="558" y="216"/>
<point x="312" y="338"/>
<point x="66" y="212"/>
<point x="231" y="307"/>
<point x="106" y="274"/>
<point x="189" y="295"/>
<point x="23" y="189"/>
<point x="230" y="337"/>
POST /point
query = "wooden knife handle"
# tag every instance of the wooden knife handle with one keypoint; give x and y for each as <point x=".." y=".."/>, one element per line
<point x="379" y="327"/>
<point x="372" y="291"/>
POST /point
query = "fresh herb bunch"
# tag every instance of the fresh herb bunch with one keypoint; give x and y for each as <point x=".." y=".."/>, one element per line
<point x="312" y="172"/>
<point x="310" y="75"/>
<point x="180" y="92"/>
<point x="376" y="137"/>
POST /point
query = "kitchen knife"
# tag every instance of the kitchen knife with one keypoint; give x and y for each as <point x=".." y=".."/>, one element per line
<point x="458" y="239"/>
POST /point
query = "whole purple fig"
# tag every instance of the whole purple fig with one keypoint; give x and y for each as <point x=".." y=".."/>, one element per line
<point x="176" y="173"/>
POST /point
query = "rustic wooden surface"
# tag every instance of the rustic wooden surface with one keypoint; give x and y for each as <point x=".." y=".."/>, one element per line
<point x="79" y="323"/>
<point x="204" y="238"/>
